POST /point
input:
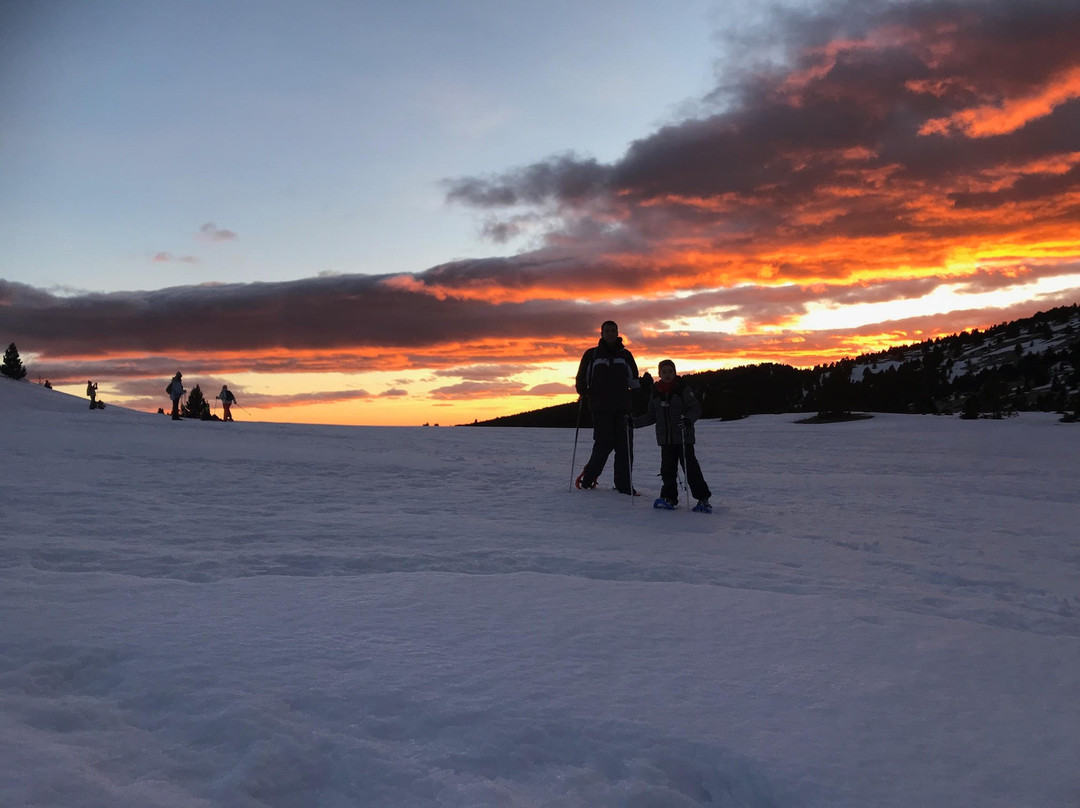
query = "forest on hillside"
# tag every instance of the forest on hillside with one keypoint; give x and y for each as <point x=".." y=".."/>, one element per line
<point x="1023" y="365"/>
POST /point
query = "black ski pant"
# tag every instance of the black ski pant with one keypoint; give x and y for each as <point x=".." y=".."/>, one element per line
<point x="670" y="455"/>
<point x="611" y="432"/>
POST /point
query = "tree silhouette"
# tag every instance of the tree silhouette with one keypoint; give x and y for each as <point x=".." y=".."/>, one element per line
<point x="12" y="365"/>
<point x="835" y="394"/>
<point x="196" y="405"/>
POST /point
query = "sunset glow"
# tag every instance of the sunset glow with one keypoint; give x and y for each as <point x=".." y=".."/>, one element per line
<point x="901" y="173"/>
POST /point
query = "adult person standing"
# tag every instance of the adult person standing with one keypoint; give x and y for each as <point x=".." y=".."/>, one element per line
<point x="91" y="390"/>
<point x="604" y="380"/>
<point x="176" y="392"/>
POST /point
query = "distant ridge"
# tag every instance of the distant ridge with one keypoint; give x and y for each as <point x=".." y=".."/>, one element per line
<point x="1031" y="364"/>
<point x="558" y="415"/>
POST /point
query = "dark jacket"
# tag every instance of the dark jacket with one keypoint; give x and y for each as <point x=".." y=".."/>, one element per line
<point x="605" y="376"/>
<point x="665" y="410"/>
<point x="175" y="389"/>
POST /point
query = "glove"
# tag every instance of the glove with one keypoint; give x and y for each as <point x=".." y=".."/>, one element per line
<point x="684" y="423"/>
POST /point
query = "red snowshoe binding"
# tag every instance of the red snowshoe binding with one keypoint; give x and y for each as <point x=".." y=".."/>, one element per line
<point x="582" y="483"/>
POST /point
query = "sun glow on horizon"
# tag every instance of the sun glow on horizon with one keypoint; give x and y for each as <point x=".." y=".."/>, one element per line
<point x="878" y="184"/>
<point x="942" y="300"/>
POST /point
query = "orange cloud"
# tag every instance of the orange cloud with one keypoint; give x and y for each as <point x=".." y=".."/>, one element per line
<point x="1009" y="114"/>
<point x="896" y="153"/>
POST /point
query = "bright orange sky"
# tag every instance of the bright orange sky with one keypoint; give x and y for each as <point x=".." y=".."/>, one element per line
<point x="908" y="174"/>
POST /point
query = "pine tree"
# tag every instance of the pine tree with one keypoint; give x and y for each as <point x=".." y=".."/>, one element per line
<point x="12" y="365"/>
<point x="835" y="394"/>
<point x="196" y="406"/>
<point x="971" y="408"/>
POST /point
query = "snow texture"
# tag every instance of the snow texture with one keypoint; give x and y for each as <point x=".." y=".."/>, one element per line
<point x="879" y="613"/>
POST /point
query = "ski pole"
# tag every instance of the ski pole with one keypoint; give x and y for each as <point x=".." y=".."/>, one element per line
<point x="573" y="457"/>
<point x="630" y="453"/>
<point x="686" y="476"/>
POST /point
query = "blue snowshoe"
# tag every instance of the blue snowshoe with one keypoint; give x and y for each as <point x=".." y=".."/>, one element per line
<point x="663" y="504"/>
<point x="702" y="506"/>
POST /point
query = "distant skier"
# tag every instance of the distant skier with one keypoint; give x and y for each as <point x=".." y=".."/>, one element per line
<point x="604" y="379"/>
<point x="91" y="390"/>
<point x="175" y="391"/>
<point x="674" y="409"/>
<point x="227" y="400"/>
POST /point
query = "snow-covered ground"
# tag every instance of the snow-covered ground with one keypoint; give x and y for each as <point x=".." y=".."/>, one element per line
<point x="882" y="613"/>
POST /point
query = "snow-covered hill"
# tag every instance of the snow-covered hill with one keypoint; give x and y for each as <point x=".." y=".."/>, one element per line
<point x="882" y="613"/>
<point x="1028" y="364"/>
<point x="972" y="352"/>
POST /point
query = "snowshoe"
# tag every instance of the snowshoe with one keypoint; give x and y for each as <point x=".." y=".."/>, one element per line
<point x="702" y="506"/>
<point x="663" y="504"/>
<point x="584" y="484"/>
<point x="633" y="493"/>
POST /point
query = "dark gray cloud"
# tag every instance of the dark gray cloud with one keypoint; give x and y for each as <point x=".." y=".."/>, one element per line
<point x="357" y="324"/>
<point x="168" y="258"/>
<point x="319" y="314"/>
<point x="565" y="177"/>
<point x="867" y="109"/>
<point x="211" y="232"/>
<point x="477" y="390"/>
<point x="485" y="372"/>
<point x="876" y="143"/>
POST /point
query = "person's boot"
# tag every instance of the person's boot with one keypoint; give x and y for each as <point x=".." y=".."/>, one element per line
<point x="582" y="483"/>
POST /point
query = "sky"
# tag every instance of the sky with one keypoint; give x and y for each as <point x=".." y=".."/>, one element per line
<point x="421" y="213"/>
<point x="878" y="613"/>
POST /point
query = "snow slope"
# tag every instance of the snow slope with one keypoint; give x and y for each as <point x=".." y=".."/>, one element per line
<point x="883" y="613"/>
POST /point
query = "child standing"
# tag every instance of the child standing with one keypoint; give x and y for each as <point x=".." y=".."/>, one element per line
<point x="674" y="409"/>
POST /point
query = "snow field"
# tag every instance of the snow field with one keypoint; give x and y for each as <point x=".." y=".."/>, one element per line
<point x="882" y="613"/>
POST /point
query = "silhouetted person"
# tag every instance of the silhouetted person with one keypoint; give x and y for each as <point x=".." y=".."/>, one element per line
<point x="176" y="392"/>
<point x="604" y="378"/>
<point x="227" y="400"/>
<point x="91" y="390"/>
<point x="674" y="409"/>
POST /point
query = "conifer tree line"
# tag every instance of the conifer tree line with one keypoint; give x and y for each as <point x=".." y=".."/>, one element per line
<point x="1001" y="370"/>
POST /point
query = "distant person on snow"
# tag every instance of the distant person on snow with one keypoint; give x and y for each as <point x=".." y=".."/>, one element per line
<point x="227" y="400"/>
<point x="91" y="390"/>
<point x="674" y="409"/>
<point x="176" y="391"/>
<point x="604" y="379"/>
